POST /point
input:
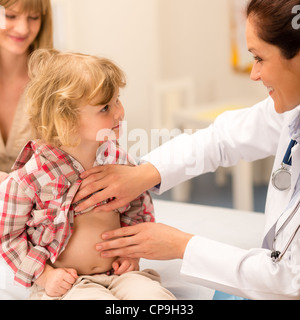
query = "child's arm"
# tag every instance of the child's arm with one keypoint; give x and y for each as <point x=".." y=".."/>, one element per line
<point x="26" y="260"/>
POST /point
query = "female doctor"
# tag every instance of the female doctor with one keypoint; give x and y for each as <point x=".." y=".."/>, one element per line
<point x="271" y="127"/>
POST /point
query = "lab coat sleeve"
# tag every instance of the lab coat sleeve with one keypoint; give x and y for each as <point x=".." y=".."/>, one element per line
<point x="249" y="134"/>
<point x="246" y="273"/>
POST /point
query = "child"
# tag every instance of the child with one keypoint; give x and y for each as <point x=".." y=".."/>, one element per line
<point x="71" y="99"/>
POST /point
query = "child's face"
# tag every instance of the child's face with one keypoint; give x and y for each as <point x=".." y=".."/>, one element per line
<point x="101" y="120"/>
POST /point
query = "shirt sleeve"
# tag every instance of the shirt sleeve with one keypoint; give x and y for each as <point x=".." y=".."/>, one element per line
<point x="246" y="273"/>
<point x="250" y="134"/>
<point x="26" y="260"/>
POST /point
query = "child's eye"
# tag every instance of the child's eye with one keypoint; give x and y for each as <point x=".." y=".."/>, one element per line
<point x="105" y="109"/>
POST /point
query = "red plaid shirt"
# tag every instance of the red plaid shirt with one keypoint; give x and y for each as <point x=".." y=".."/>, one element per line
<point x="36" y="211"/>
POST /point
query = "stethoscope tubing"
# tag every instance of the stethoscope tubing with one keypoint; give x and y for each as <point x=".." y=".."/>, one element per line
<point x="287" y="161"/>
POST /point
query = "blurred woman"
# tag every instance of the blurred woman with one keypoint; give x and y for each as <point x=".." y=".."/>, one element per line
<point x="28" y="27"/>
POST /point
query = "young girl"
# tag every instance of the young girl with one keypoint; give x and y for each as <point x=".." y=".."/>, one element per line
<point x="72" y="99"/>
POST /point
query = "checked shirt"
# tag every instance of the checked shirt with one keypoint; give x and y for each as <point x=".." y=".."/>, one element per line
<point x="36" y="211"/>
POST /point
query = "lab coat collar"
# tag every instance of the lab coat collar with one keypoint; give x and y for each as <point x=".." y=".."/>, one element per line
<point x="294" y="127"/>
<point x="296" y="166"/>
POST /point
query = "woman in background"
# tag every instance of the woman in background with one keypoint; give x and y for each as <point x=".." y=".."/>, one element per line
<point x="28" y="27"/>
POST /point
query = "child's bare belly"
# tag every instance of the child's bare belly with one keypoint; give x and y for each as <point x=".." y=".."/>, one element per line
<point x="81" y="253"/>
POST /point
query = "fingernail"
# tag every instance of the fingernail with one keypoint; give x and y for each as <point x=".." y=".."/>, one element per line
<point x="104" y="236"/>
<point x="99" y="247"/>
<point x="77" y="209"/>
<point x="104" y="254"/>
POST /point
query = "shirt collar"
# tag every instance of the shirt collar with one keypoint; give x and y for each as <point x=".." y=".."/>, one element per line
<point x="48" y="152"/>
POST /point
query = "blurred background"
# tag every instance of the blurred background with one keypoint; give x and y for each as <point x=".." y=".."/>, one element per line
<point x="185" y="63"/>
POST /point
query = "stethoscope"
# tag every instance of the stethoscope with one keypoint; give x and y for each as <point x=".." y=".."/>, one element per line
<point x="281" y="180"/>
<point x="277" y="255"/>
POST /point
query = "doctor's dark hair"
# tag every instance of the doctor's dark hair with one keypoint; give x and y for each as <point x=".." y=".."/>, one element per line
<point x="273" y="20"/>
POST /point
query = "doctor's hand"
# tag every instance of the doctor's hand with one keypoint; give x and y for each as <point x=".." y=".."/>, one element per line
<point x="148" y="240"/>
<point x="123" y="183"/>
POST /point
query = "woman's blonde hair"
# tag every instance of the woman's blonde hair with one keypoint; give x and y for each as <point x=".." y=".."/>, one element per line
<point x="60" y="84"/>
<point x="44" y="38"/>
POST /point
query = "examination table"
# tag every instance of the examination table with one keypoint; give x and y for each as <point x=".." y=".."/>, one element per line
<point x="239" y="228"/>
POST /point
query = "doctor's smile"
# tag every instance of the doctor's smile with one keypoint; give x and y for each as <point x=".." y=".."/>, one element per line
<point x="270" y="90"/>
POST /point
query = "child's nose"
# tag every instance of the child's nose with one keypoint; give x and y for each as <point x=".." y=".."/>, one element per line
<point x="119" y="112"/>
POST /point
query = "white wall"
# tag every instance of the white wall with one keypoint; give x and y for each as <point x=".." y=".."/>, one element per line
<point x="153" y="40"/>
<point x="124" y="31"/>
<point x="195" y="41"/>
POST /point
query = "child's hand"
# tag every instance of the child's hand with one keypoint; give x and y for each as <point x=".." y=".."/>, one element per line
<point x="124" y="265"/>
<point x="58" y="281"/>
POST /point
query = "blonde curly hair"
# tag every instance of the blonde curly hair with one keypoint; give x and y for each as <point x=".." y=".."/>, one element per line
<point x="60" y="83"/>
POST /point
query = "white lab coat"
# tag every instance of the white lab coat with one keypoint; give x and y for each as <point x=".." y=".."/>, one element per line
<point x="249" y="134"/>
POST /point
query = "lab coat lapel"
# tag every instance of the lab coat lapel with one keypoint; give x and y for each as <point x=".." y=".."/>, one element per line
<point x="269" y="237"/>
<point x="295" y="165"/>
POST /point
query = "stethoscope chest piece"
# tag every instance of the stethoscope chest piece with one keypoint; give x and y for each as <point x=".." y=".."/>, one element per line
<point x="281" y="178"/>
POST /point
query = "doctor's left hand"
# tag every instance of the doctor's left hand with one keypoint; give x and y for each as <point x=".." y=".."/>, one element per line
<point x="147" y="240"/>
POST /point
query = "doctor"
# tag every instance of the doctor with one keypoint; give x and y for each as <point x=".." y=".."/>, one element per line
<point x="271" y="127"/>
